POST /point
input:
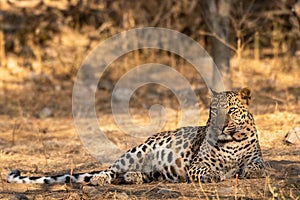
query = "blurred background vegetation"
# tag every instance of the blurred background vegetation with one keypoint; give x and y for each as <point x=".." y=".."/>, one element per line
<point x="43" y="42"/>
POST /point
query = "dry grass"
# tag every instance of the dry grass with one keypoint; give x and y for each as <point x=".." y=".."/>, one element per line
<point x="50" y="145"/>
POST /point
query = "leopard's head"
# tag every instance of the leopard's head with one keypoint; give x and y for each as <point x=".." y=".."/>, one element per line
<point x="229" y="111"/>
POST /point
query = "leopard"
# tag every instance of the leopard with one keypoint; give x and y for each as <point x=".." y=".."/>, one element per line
<point x="226" y="147"/>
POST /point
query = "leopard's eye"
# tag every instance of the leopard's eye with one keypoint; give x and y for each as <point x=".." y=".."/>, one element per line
<point x="231" y="110"/>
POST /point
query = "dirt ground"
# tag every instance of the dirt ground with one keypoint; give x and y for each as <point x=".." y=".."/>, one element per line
<point x="45" y="142"/>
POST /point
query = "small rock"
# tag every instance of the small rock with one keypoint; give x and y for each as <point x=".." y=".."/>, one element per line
<point x="45" y="112"/>
<point x="293" y="136"/>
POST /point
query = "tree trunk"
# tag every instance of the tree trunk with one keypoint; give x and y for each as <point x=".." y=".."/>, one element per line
<point x="216" y="14"/>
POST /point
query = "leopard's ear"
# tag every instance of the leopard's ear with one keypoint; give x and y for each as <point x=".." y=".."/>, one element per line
<point x="245" y="95"/>
<point x="213" y="93"/>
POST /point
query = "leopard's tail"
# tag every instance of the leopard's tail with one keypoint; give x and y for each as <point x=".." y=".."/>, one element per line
<point x="14" y="176"/>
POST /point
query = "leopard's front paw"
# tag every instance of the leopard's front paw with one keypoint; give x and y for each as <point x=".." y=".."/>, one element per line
<point x="257" y="169"/>
<point x="210" y="178"/>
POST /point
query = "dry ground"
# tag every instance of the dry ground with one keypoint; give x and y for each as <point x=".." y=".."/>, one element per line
<point x="50" y="145"/>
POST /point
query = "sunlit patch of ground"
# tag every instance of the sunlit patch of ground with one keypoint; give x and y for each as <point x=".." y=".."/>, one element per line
<point x="52" y="146"/>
